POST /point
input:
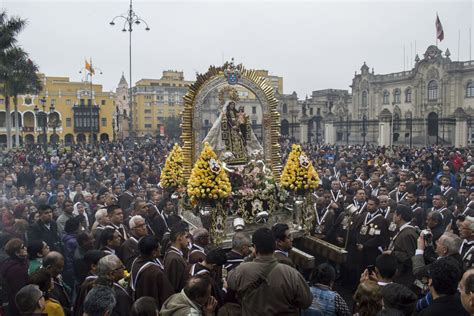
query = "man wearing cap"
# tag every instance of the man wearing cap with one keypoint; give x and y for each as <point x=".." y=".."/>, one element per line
<point x="30" y="300"/>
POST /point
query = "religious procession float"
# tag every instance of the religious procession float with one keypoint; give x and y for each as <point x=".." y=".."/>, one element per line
<point x="227" y="180"/>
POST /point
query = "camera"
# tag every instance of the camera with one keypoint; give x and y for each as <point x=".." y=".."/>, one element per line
<point x="370" y="269"/>
<point x="427" y="235"/>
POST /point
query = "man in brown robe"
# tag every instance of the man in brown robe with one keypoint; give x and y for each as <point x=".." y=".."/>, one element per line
<point x="91" y="259"/>
<point x="403" y="245"/>
<point x="147" y="277"/>
<point x="175" y="265"/>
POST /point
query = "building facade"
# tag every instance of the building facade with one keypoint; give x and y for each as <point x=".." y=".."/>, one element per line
<point x="433" y="103"/>
<point x="65" y="112"/>
<point x="156" y="100"/>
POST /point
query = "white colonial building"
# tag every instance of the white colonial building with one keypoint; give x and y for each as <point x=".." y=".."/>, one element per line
<point x="431" y="103"/>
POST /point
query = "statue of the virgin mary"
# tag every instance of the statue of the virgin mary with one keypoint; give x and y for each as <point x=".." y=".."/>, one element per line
<point x="232" y="137"/>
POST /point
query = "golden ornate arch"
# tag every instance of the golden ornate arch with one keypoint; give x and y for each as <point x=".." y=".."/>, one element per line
<point x="249" y="79"/>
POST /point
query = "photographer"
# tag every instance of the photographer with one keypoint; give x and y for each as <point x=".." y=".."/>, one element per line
<point x="446" y="246"/>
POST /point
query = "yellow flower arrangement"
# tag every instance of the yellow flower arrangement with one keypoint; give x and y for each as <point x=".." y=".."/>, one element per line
<point x="208" y="180"/>
<point x="172" y="173"/>
<point x="299" y="174"/>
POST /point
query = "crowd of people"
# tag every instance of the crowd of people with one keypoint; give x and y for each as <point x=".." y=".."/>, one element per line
<point x="87" y="230"/>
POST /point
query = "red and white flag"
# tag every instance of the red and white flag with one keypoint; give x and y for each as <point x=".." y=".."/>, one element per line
<point x="439" y="29"/>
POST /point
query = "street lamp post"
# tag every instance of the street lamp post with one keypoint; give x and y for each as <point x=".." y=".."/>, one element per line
<point x="54" y="122"/>
<point x="318" y="127"/>
<point x="364" y="129"/>
<point x="113" y="129"/>
<point x="42" y="117"/>
<point x="129" y="19"/>
<point x="348" y="130"/>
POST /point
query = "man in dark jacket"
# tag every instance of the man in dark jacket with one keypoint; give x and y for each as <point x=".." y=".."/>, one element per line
<point x="443" y="282"/>
<point x="46" y="229"/>
<point x="54" y="263"/>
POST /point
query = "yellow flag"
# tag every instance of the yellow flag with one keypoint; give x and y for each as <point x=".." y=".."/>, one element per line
<point x="89" y="67"/>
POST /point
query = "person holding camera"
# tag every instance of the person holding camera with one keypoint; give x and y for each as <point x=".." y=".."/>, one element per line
<point x="446" y="246"/>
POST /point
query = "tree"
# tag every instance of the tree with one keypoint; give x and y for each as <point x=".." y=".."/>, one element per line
<point x="173" y="127"/>
<point x="18" y="73"/>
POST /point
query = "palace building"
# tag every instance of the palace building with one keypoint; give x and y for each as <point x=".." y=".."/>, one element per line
<point x="433" y="103"/>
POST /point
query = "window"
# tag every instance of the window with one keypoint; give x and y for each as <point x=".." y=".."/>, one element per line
<point x="147" y="111"/>
<point x="386" y="96"/>
<point x="147" y="118"/>
<point x="254" y="122"/>
<point x="124" y="97"/>
<point x="285" y="108"/>
<point x="254" y="110"/>
<point x="82" y="102"/>
<point x="104" y="122"/>
<point x="364" y="99"/>
<point x="396" y="96"/>
<point x="396" y="122"/>
<point x="408" y="95"/>
<point x="409" y="122"/>
<point x="2" y="101"/>
<point x="432" y="90"/>
<point x="68" y="101"/>
<point x="147" y="126"/>
<point x="68" y="122"/>
<point x="102" y="102"/>
<point x="470" y="90"/>
<point x="311" y="111"/>
<point x="206" y="122"/>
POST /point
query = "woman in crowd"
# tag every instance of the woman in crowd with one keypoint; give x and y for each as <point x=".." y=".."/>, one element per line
<point x="368" y="299"/>
<point x="37" y="250"/>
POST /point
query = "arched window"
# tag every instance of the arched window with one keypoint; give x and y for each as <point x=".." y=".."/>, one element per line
<point x="285" y="108"/>
<point x="408" y="95"/>
<point x="396" y="122"/>
<point x="470" y="90"/>
<point x="396" y="96"/>
<point x="364" y="99"/>
<point x="386" y="96"/>
<point x="432" y="90"/>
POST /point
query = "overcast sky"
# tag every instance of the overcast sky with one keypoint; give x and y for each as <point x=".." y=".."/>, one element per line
<point x="312" y="44"/>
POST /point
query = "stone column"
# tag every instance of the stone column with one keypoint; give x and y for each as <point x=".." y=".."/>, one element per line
<point x="303" y="130"/>
<point x="330" y="133"/>
<point x="329" y="129"/>
<point x="461" y="131"/>
<point x="384" y="132"/>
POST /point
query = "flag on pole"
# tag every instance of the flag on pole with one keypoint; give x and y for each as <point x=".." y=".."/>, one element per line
<point x="439" y="29"/>
<point x="89" y="67"/>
